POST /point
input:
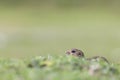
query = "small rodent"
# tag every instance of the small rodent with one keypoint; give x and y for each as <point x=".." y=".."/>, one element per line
<point x="79" y="53"/>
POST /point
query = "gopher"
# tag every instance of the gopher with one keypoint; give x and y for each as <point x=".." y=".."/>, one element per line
<point x="79" y="53"/>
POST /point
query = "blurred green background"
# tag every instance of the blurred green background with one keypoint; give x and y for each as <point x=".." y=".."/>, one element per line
<point x="49" y="27"/>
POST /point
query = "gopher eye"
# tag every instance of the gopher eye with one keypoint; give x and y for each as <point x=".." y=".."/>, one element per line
<point x="73" y="51"/>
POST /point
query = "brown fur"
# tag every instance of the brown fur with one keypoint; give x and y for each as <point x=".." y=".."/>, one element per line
<point x="79" y="53"/>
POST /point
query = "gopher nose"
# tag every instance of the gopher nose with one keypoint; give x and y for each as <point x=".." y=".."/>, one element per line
<point x="68" y="52"/>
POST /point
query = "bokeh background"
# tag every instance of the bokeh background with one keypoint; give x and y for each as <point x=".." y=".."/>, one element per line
<point x="49" y="27"/>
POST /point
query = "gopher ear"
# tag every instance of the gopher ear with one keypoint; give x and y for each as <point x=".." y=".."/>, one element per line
<point x="81" y="54"/>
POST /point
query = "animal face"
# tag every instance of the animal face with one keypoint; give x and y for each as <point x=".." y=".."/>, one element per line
<point x="75" y="52"/>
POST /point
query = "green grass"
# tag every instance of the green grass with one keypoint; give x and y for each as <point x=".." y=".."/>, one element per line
<point x="28" y="32"/>
<point x="57" y="68"/>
